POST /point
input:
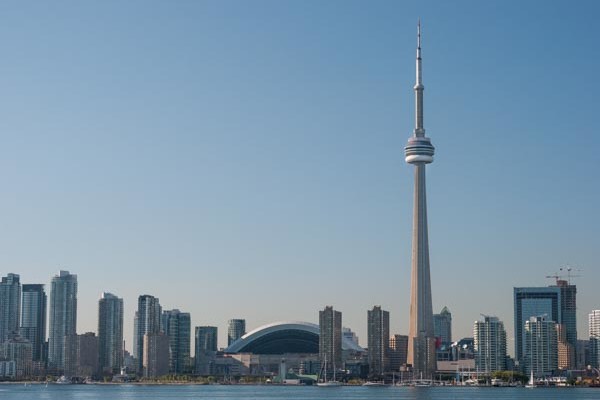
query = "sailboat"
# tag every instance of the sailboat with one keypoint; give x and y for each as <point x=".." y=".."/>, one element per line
<point x="531" y="383"/>
<point x="325" y="382"/>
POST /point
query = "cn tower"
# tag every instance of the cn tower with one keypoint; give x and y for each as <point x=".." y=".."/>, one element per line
<point x="419" y="152"/>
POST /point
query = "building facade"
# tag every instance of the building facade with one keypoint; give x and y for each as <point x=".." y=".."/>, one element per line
<point x="33" y="318"/>
<point x="378" y="333"/>
<point x="205" y="348"/>
<point x="206" y="338"/>
<point x="110" y="333"/>
<point x="177" y="326"/>
<point x="81" y="355"/>
<point x="566" y="351"/>
<point x="489" y="341"/>
<point x="330" y="339"/>
<point x="532" y="302"/>
<point x="147" y="321"/>
<point x="19" y="350"/>
<point x="442" y="326"/>
<point x="10" y="306"/>
<point x="568" y="313"/>
<point x="541" y="346"/>
<point x="398" y="351"/>
<point x="236" y="328"/>
<point x="63" y="317"/>
<point x="594" y="343"/>
<point x="155" y="355"/>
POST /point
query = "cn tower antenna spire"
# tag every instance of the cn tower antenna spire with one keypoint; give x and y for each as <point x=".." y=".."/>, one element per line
<point x="419" y="129"/>
<point x="419" y="39"/>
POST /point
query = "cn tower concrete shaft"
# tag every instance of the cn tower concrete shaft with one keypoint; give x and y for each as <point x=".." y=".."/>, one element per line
<point x="419" y="152"/>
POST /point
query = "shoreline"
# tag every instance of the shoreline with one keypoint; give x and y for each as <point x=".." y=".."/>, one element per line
<point x="26" y="383"/>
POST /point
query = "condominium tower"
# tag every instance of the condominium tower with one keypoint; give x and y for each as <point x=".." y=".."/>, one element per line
<point x="533" y="302"/>
<point x="568" y="313"/>
<point x="177" y="326"/>
<point x="110" y="332"/>
<point x="489" y="339"/>
<point x="147" y="321"/>
<point x="442" y="326"/>
<point x="235" y="330"/>
<point x="541" y="347"/>
<point x="398" y="349"/>
<point x="63" y="316"/>
<point x="33" y="318"/>
<point x="330" y="338"/>
<point x="594" y="320"/>
<point x="378" y="333"/>
<point x="205" y="348"/>
<point x="206" y="339"/>
<point x="10" y="306"/>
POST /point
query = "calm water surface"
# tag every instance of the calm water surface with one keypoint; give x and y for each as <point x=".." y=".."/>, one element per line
<point x="154" y="392"/>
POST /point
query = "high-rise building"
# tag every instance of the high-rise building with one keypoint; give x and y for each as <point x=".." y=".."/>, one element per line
<point x="69" y="361"/>
<point x="19" y="350"/>
<point x="87" y="354"/>
<point x="206" y="338"/>
<point x="81" y="355"/>
<point x="566" y="351"/>
<point x="330" y="339"/>
<point x="33" y="318"/>
<point x="110" y="333"/>
<point x="155" y="354"/>
<point x="419" y="152"/>
<point x="568" y="313"/>
<point x="235" y="330"/>
<point x="489" y="338"/>
<point x="541" y="346"/>
<point x="442" y="326"/>
<point x="147" y="321"/>
<point x="177" y="326"/>
<point x="205" y="349"/>
<point x="584" y="353"/>
<point x="378" y="333"/>
<point x="559" y="304"/>
<point x="398" y="351"/>
<point x="63" y="316"/>
<point x="10" y="306"/>
<point x="532" y="302"/>
<point x="135" y="341"/>
<point x="594" y="345"/>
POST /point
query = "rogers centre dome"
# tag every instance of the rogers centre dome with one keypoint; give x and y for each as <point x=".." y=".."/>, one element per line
<point x="284" y="337"/>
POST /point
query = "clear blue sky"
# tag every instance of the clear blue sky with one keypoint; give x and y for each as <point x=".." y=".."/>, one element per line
<point x="245" y="158"/>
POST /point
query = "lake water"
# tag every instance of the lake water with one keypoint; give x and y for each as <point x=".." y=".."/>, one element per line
<point x="168" y="392"/>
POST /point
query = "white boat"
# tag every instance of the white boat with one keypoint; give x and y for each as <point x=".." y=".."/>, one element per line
<point x="329" y="384"/>
<point x="531" y="383"/>
<point x="63" y="380"/>
<point x="423" y="383"/>
<point x="496" y="382"/>
<point x="374" y="384"/>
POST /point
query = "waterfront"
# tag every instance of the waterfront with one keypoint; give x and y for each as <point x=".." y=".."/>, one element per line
<point x="260" y="392"/>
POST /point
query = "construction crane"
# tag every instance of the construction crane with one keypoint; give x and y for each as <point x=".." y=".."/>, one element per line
<point x="561" y="274"/>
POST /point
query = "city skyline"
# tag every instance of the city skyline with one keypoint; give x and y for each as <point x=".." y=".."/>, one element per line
<point x="147" y="147"/>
